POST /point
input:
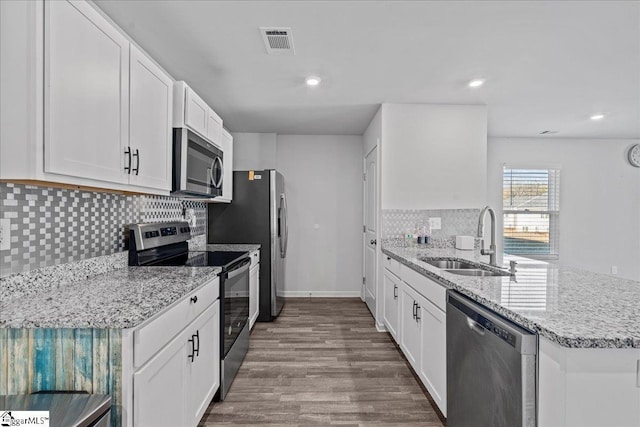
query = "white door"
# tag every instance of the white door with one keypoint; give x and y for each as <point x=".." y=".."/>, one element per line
<point x="205" y="367"/>
<point x="196" y="113"/>
<point x="214" y="128"/>
<point x="410" y="326"/>
<point x="161" y="386"/>
<point x="370" y="228"/>
<point x="391" y="292"/>
<point x="254" y="294"/>
<point x="433" y="355"/>
<point x="86" y="93"/>
<point x="151" y="98"/>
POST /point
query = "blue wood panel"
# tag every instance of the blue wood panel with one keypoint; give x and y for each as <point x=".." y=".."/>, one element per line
<point x="44" y="359"/>
<point x="63" y="359"/>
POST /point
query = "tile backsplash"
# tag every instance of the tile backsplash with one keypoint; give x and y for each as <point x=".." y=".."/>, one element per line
<point x="396" y="222"/>
<point x="50" y="226"/>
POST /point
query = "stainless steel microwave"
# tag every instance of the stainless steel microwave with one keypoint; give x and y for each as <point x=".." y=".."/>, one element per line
<point x="197" y="165"/>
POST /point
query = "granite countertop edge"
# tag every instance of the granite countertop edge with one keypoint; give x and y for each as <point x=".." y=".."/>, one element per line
<point x="564" y="341"/>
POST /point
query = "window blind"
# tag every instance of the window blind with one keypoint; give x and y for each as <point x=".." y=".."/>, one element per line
<point x="531" y="209"/>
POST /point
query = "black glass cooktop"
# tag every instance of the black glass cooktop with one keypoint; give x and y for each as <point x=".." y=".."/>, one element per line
<point x="222" y="259"/>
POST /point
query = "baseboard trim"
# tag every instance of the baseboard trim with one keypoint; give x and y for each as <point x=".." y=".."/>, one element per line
<point x="381" y="327"/>
<point x="321" y="294"/>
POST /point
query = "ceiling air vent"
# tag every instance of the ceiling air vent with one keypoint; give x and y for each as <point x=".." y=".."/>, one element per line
<point x="278" y="41"/>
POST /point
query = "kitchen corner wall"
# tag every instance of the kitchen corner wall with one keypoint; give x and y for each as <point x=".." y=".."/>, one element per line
<point x="51" y="226"/>
<point x="323" y="181"/>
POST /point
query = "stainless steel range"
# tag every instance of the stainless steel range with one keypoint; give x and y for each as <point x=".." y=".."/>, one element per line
<point x="165" y="244"/>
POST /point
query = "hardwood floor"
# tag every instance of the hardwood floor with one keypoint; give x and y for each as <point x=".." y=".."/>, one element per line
<point x="322" y="362"/>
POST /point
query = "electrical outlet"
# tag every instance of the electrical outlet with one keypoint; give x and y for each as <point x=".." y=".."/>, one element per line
<point x="190" y="217"/>
<point x="614" y="269"/>
<point x="435" y="223"/>
<point x="5" y="234"/>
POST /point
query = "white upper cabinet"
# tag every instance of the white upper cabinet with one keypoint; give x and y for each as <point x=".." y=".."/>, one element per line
<point x="151" y="103"/>
<point x="86" y="93"/>
<point x="196" y="113"/>
<point x="189" y="110"/>
<point x="214" y="128"/>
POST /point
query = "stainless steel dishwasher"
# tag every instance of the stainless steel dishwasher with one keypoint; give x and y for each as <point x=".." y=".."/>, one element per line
<point x="491" y="368"/>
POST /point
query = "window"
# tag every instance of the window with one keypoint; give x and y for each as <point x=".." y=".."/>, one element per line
<point x="531" y="208"/>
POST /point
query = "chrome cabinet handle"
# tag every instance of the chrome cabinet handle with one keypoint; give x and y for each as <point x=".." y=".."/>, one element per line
<point x="196" y="350"/>
<point x="137" y="156"/>
<point x="127" y="167"/>
<point x="194" y="299"/>
<point x="414" y="310"/>
<point x="418" y="312"/>
<point x="373" y="242"/>
<point x="395" y="292"/>
<point x="193" y="349"/>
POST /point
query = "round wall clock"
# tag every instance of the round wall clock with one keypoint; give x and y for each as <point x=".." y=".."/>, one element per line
<point x="634" y="155"/>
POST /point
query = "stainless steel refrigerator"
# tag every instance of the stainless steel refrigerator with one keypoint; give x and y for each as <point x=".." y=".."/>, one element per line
<point x="257" y="214"/>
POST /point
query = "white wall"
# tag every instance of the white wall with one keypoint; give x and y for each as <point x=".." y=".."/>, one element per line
<point x="433" y="156"/>
<point x="599" y="197"/>
<point x="323" y="179"/>
<point x="254" y="151"/>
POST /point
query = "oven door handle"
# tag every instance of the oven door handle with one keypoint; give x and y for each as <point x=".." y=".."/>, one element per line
<point x="240" y="269"/>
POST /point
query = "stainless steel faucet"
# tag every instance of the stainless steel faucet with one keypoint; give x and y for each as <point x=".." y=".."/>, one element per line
<point x="492" y="247"/>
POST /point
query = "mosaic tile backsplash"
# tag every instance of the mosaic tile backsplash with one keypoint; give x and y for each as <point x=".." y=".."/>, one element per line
<point x="51" y="226"/>
<point x="454" y="222"/>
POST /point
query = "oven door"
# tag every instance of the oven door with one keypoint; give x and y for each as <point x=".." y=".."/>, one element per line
<point x="197" y="165"/>
<point x="235" y="285"/>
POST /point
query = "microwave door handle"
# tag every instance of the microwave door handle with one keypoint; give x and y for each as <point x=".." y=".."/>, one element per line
<point x="217" y="184"/>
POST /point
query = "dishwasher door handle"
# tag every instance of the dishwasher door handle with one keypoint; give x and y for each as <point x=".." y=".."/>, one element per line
<point x="475" y="326"/>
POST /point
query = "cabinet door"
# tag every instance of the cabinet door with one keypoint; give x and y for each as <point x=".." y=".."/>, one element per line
<point x="196" y="113"/>
<point x="151" y="98"/>
<point x="254" y="292"/>
<point x="214" y="128"/>
<point x="391" y="291"/>
<point x="86" y="93"/>
<point x="227" y="180"/>
<point x="204" y="370"/>
<point x="433" y="354"/>
<point x="410" y="326"/>
<point x="160" y="387"/>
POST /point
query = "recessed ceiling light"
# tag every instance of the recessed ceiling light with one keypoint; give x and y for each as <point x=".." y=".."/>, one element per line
<point x="476" y="83"/>
<point x="598" y="116"/>
<point x="313" y="81"/>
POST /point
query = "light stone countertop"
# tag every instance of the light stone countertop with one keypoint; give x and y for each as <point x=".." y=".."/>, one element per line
<point x="574" y="308"/>
<point x="121" y="298"/>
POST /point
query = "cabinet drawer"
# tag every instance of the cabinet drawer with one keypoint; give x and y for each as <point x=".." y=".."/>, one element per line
<point x="391" y="264"/>
<point x="434" y="292"/>
<point x="157" y="332"/>
<point x="255" y="258"/>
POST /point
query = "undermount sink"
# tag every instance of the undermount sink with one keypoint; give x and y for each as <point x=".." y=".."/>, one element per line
<point x="477" y="272"/>
<point x="464" y="268"/>
<point x="450" y="264"/>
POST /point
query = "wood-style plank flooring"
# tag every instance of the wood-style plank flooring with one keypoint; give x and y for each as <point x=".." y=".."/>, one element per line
<point x="322" y="362"/>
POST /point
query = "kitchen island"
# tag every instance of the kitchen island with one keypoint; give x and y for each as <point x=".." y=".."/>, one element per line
<point x="61" y="330"/>
<point x="588" y="326"/>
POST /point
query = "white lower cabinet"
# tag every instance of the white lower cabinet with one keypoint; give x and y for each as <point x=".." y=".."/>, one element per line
<point x="420" y="327"/>
<point x="254" y="288"/>
<point x="410" y="326"/>
<point x="390" y="302"/>
<point x="174" y="362"/>
<point x="433" y="352"/>
<point x="204" y="366"/>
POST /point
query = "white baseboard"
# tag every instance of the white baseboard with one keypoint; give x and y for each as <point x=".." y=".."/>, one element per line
<point x="322" y="294"/>
<point x="381" y="327"/>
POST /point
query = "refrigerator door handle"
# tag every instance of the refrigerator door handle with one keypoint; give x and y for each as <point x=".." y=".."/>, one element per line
<point x="284" y="218"/>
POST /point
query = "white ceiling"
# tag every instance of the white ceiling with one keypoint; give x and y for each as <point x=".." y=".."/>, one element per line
<point x="549" y="64"/>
